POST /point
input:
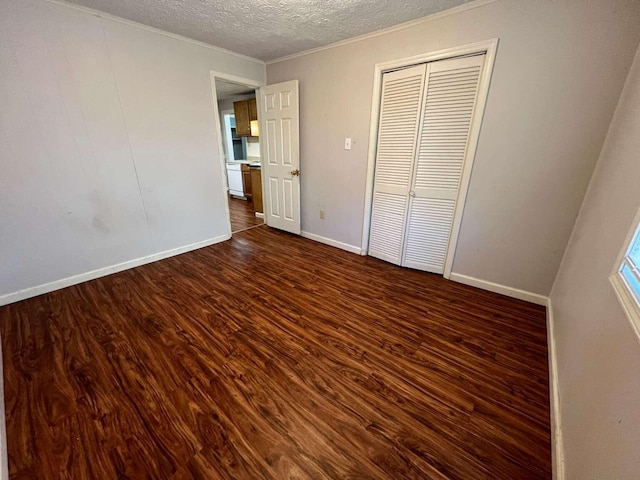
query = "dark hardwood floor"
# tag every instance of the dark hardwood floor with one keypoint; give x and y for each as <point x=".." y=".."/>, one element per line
<point x="269" y="357"/>
<point x="242" y="215"/>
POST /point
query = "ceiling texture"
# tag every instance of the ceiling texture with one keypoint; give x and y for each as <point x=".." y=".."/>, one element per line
<point x="269" y="29"/>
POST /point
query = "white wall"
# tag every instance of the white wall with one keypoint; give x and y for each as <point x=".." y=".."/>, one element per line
<point x="598" y="352"/>
<point x="559" y="70"/>
<point x="108" y="141"/>
<point x="253" y="147"/>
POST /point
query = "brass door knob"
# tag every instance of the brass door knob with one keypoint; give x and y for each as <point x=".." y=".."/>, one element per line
<point x="295" y="173"/>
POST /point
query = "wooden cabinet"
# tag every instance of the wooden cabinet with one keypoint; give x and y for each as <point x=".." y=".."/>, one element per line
<point x="243" y="124"/>
<point x="253" y="109"/>
<point x="245" y="111"/>
<point x="256" y="186"/>
<point x="246" y="181"/>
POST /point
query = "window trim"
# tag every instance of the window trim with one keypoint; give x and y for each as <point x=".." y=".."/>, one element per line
<point x="628" y="298"/>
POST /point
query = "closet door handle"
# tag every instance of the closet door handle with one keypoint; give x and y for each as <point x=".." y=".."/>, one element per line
<point x="412" y="193"/>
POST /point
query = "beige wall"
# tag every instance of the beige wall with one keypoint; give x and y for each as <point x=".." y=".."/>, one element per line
<point x="559" y="71"/>
<point x="598" y="352"/>
<point x="108" y="145"/>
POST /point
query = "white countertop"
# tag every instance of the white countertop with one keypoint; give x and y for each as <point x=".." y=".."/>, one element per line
<point x="250" y="162"/>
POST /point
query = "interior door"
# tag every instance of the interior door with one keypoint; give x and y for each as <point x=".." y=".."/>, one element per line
<point x="402" y="94"/>
<point x="279" y="143"/>
<point x="448" y="107"/>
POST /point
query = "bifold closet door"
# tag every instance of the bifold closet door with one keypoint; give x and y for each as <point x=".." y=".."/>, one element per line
<point x="400" y="110"/>
<point x="449" y="101"/>
<point x="426" y="117"/>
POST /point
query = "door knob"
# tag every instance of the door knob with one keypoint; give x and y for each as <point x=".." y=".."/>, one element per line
<point x="412" y="193"/>
<point x="295" y="173"/>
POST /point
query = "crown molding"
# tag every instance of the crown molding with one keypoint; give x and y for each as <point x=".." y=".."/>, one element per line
<point x="131" y="23"/>
<point x="434" y="16"/>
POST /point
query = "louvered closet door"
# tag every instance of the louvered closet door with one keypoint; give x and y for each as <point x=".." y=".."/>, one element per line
<point x="448" y="107"/>
<point x="402" y="95"/>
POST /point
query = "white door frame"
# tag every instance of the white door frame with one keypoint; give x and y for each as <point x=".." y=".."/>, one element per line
<point x="227" y="141"/>
<point x="216" y="117"/>
<point x="489" y="48"/>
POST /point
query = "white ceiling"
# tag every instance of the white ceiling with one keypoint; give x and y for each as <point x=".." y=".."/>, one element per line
<point x="268" y="29"/>
<point x="228" y="89"/>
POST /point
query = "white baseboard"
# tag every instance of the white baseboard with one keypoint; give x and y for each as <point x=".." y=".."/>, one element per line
<point x="333" y="243"/>
<point x="502" y="289"/>
<point x="101" y="272"/>
<point x="557" y="452"/>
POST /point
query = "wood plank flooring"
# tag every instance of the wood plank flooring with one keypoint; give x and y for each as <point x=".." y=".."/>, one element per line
<point x="273" y="357"/>
<point x="242" y="215"/>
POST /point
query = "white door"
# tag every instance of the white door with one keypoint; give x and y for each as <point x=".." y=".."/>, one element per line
<point x="279" y="143"/>
<point x="423" y="136"/>
<point x="397" y="137"/>
<point x="448" y="109"/>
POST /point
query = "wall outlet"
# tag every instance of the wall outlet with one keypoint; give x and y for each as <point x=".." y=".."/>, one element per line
<point x="322" y="213"/>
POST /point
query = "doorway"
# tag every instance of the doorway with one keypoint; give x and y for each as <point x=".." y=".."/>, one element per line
<point x="237" y="124"/>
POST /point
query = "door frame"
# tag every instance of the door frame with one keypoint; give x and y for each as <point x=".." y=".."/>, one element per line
<point x="218" y="128"/>
<point x="487" y="47"/>
<point x="226" y="139"/>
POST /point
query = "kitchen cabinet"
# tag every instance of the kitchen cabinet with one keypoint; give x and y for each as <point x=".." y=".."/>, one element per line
<point x="246" y="181"/>
<point x="256" y="185"/>
<point x="245" y="112"/>
<point x="253" y="109"/>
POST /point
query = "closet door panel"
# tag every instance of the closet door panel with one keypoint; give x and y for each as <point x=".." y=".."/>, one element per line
<point x="387" y="226"/>
<point x="400" y="112"/>
<point x="428" y="233"/>
<point x="448" y="108"/>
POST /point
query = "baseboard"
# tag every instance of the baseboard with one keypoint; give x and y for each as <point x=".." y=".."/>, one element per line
<point x="101" y="272"/>
<point x="557" y="452"/>
<point x="502" y="289"/>
<point x="333" y="243"/>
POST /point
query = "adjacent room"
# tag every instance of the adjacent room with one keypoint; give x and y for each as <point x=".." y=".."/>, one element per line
<point x="240" y="134"/>
<point x="319" y="240"/>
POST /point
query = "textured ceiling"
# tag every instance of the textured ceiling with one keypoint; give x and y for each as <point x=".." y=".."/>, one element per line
<point x="268" y="29"/>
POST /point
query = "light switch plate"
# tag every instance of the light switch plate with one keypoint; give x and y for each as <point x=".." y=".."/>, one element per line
<point x="347" y="144"/>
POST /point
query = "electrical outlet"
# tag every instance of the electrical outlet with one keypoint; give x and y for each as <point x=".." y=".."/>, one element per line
<point x="322" y="214"/>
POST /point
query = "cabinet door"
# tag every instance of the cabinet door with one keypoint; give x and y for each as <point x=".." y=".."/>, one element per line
<point x="253" y="109"/>
<point x="241" y="111"/>
<point x="256" y="186"/>
<point x="246" y="181"/>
